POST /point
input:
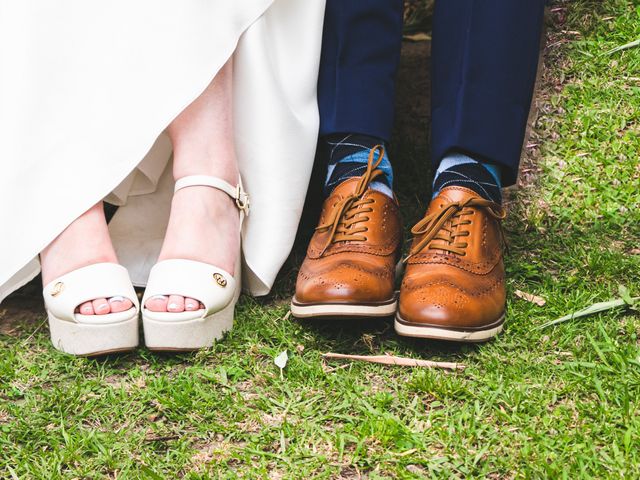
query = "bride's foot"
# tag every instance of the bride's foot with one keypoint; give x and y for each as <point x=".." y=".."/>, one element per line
<point x="85" y="242"/>
<point x="203" y="226"/>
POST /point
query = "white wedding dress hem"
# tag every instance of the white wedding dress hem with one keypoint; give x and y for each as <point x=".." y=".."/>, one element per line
<point x="89" y="89"/>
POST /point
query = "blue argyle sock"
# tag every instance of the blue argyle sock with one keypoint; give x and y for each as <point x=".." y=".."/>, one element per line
<point x="349" y="156"/>
<point x="461" y="170"/>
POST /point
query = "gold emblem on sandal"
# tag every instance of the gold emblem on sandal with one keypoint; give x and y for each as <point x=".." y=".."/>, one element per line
<point x="220" y="280"/>
<point x="57" y="289"/>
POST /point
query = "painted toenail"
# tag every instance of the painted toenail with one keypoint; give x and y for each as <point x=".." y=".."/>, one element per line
<point x="190" y="306"/>
<point x="102" y="307"/>
<point x="159" y="297"/>
<point x="117" y="299"/>
<point x="172" y="306"/>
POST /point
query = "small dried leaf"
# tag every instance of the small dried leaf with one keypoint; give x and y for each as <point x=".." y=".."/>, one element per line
<point x="418" y="37"/>
<point x="281" y="360"/>
<point x="531" y="298"/>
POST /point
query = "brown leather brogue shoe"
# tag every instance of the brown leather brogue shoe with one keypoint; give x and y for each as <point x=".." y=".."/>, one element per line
<point x="349" y="270"/>
<point x="454" y="285"/>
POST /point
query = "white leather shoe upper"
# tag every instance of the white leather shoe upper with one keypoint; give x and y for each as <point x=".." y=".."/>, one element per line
<point x="209" y="284"/>
<point x="101" y="280"/>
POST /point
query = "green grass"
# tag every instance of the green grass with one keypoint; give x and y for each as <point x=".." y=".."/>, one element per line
<point x="561" y="402"/>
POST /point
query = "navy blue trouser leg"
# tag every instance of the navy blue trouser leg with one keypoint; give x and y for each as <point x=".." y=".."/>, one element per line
<point x="484" y="63"/>
<point x="360" y="55"/>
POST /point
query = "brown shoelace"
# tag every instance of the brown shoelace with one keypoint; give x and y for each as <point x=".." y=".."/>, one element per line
<point x="443" y="229"/>
<point x="345" y="221"/>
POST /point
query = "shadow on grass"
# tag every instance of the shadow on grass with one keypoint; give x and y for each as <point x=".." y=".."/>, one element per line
<point x="377" y="336"/>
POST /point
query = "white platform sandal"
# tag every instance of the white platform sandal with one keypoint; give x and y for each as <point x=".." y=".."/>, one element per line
<point x="89" y="335"/>
<point x="212" y="286"/>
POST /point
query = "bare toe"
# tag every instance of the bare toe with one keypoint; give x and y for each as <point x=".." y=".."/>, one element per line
<point x="157" y="303"/>
<point x="191" y="305"/>
<point x="176" y="304"/>
<point x="86" y="309"/>
<point x="101" y="306"/>
<point x="120" y="304"/>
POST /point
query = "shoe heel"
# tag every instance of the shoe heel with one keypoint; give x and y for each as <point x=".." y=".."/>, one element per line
<point x="93" y="339"/>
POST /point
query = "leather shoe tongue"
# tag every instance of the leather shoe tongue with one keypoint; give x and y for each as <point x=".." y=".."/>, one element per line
<point x="347" y="187"/>
<point x="454" y="194"/>
<point x="449" y="195"/>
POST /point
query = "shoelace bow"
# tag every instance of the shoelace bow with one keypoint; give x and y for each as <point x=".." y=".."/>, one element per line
<point x="441" y="229"/>
<point x="351" y="210"/>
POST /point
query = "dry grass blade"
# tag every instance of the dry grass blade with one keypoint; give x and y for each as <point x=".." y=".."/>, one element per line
<point x="393" y="360"/>
<point x="595" y="308"/>
<point x="626" y="46"/>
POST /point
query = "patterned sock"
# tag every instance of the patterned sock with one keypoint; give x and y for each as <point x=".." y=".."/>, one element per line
<point x="461" y="170"/>
<point x="348" y="157"/>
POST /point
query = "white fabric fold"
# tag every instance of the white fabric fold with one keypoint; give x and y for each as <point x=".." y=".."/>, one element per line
<point x="87" y="88"/>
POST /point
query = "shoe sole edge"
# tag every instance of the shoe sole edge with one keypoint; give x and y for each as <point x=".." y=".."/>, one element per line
<point x="405" y="329"/>
<point x="343" y="310"/>
<point x="88" y="340"/>
<point x="187" y="335"/>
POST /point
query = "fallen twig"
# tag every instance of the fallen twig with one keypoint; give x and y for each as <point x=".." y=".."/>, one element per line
<point x="393" y="360"/>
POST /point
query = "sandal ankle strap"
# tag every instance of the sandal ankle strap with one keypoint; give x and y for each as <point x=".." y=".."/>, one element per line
<point x="237" y="193"/>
